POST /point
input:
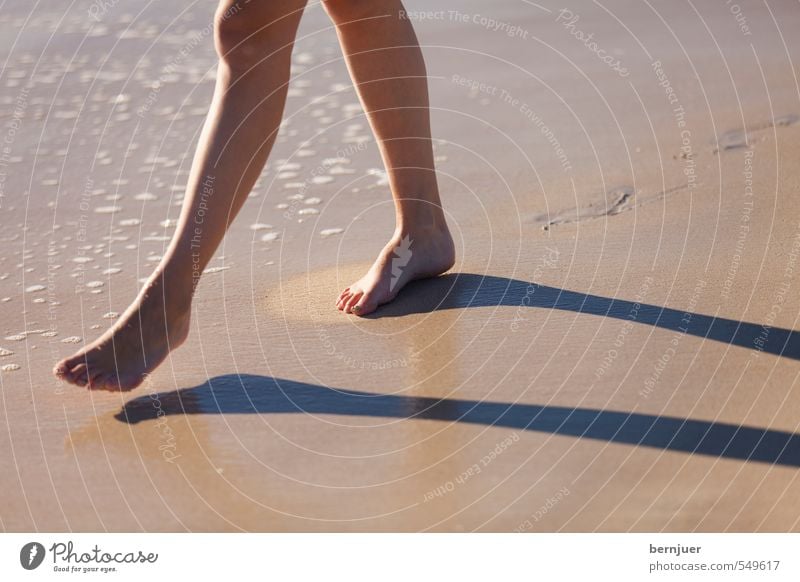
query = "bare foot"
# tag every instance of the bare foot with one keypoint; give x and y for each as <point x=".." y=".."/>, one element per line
<point x="136" y="344"/>
<point x="408" y="256"/>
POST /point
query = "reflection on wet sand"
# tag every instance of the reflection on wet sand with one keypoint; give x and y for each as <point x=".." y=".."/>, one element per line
<point x="435" y="355"/>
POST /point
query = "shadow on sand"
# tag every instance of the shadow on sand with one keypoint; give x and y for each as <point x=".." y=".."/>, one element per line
<point x="249" y="394"/>
<point x="465" y="290"/>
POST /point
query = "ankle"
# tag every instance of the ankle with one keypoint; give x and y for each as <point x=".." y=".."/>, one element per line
<point x="435" y="238"/>
<point x="172" y="289"/>
<point x="426" y="221"/>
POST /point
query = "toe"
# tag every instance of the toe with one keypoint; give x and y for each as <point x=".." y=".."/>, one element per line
<point x="96" y="382"/>
<point x="365" y="305"/>
<point x="64" y="368"/>
<point x="79" y="375"/>
<point x="343" y="300"/>
<point x="60" y="370"/>
<point x="352" y="301"/>
<point x="93" y="375"/>
<point x="100" y="381"/>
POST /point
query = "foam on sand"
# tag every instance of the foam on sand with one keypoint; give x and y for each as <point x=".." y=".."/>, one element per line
<point x="107" y="209"/>
<point x="325" y="233"/>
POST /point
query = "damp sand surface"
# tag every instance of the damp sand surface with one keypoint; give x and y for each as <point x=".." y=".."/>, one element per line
<point x="613" y="351"/>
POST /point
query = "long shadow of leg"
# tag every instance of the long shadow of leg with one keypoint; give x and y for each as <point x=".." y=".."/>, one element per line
<point x="246" y="394"/>
<point x="465" y="290"/>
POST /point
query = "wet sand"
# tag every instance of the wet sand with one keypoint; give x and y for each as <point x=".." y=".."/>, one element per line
<point x="614" y="350"/>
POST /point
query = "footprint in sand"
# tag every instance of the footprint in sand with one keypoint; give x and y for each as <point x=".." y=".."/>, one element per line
<point x="616" y="201"/>
<point x="740" y="138"/>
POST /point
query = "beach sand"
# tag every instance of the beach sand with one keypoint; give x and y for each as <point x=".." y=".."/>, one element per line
<point x="612" y="352"/>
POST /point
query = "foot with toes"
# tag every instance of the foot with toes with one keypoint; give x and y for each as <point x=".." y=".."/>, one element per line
<point x="156" y="323"/>
<point x="408" y="256"/>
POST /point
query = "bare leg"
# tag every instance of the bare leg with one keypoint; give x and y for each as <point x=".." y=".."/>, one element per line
<point x="254" y="41"/>
<point x="386" y="64"/>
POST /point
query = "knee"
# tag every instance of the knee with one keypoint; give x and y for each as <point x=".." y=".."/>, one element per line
<point x="247" y="35"/>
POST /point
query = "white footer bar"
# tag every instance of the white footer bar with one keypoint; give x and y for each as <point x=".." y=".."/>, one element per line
<point x="389" y="557"/>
